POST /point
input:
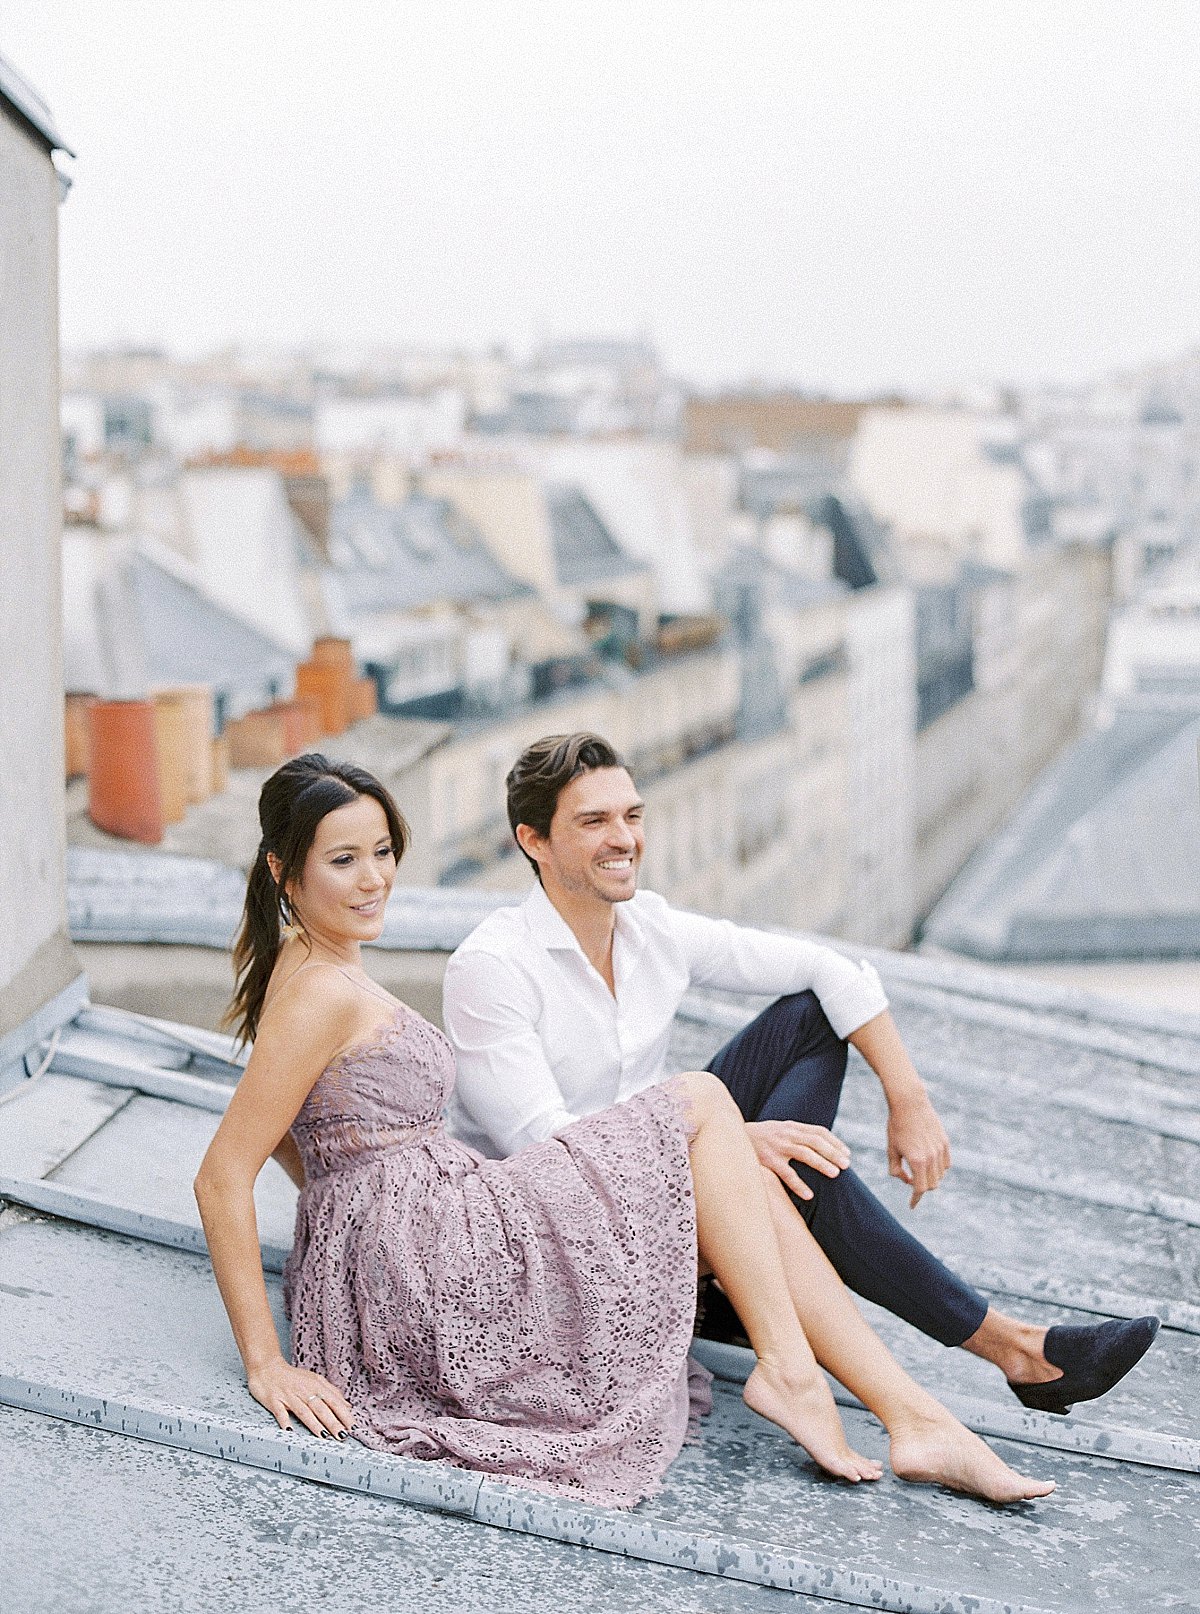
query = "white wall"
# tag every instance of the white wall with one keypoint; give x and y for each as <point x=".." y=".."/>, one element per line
<point x="637" y="487"/>
<point x="36" y="960"/>
<point x="926" y="473"/>
<point x="239" y="532"/>
<point x="880" y="651"/>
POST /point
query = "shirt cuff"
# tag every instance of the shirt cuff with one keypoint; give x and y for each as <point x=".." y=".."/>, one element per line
<point x="855" y="1001"/>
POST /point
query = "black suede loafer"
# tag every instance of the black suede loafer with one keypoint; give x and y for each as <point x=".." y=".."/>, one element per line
<point x="1092" y="1359"/>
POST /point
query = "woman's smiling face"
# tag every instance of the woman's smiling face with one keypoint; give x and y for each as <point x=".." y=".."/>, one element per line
<point x="348" y="874"/>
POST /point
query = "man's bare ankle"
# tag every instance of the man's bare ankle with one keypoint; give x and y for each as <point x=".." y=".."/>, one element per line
<point x="1016" y="1348"/>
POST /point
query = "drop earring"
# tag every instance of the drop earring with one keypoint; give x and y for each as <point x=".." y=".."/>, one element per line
<point x="289" y="924"/>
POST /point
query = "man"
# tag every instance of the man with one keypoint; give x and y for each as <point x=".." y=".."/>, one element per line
<point x="564" y="1005"/>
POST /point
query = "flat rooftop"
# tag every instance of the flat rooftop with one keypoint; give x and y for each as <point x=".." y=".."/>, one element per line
<point x="135" y="1465"/>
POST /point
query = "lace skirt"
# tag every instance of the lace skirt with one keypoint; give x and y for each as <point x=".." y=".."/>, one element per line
<point x="527" y="1317"/>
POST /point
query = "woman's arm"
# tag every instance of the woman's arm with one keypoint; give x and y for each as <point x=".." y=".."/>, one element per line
<point x="295" y="1042"/>
<point x="288" y="1157"/>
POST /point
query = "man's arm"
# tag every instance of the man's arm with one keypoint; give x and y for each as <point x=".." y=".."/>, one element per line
<point x="917" y="1145"/>
<point x="504" y="1081"/>
<point x="739" y="958"/>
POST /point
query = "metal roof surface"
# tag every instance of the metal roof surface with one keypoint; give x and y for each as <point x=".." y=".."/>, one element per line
<point x="1100" y="861"/>
<point x="422" y="552"/>
<point x="584" y="549"/>
<point x="109" y="1320"/>
<point x="137" y="617"/>
<point x="780" y="585"/>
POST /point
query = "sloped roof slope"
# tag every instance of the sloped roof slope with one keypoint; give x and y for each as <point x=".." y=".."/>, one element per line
<point x="20" y="95"/>
<point x="1102" y="859"/>
<point x="584" y="549"/>
<point x="423" y="552"/>
<point x="137" y="617"/>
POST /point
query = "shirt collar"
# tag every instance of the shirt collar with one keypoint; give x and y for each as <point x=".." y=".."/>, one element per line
<point x="548" y="926"/>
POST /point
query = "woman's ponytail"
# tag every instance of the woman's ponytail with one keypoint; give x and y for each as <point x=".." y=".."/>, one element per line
<point x="255" y="950"/>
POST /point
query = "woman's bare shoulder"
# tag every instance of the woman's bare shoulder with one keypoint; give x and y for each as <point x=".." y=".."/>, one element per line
<point x="316" y="996"/>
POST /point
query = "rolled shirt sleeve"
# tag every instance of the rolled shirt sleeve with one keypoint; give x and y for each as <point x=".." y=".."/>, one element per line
<point x="505" y="1091"/>
<point x="736" y="958"/>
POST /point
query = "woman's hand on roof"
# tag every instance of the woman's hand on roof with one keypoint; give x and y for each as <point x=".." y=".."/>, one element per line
<point x="283" y="1389"/>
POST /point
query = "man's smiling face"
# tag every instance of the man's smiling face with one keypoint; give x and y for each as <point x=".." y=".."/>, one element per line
<point x="596" y="838"/>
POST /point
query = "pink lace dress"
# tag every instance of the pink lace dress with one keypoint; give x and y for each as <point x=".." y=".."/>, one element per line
<point x="528" y="1317"/>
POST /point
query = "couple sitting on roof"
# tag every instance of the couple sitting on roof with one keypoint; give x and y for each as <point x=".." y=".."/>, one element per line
<point x="519" y="1297"/>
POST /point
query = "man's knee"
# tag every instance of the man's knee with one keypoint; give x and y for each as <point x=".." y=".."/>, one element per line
<point x="802" y="1014"/>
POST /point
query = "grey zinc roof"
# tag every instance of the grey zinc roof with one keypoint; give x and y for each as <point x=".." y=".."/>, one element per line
<point x="790" y="481"/>
<point x="23" y="98"/>
<point x="1102" y="859"/>
<point x="780" y="585"/>
<point x="584" y="549"/>
<point x="118" y="895"/>
<point x="135" y="619"/>
<point x="420" y="553"/>
<point x="111" y="1328"/>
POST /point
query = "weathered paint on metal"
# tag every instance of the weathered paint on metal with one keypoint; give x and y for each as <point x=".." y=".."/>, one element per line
<point x="1054" y="1181"/>
<point x="139" y="1332"/>
<point x="57" y="1011"/>
<point x="46" y="1121"/>
<point x="91" y="1210"/>
<point x="648" y="1538"/>
<point x="168" y="1142"/>
<point x="1116" y="1535"/>
<point x="177" y="1086"/>
<point x="98" y="1524"/>
<point x="1176" y="1314"/>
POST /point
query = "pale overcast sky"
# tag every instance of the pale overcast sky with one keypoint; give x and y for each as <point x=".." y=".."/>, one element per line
<point x="840" y="194"/>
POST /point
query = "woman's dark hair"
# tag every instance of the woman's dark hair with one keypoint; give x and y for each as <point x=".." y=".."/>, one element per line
<point x="292" y="803"/>
<point x="544" y="770"/>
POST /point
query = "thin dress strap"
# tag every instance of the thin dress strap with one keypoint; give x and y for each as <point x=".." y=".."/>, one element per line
<point x="372" y="990"/>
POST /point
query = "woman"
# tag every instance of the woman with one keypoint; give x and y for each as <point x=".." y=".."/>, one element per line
<point x="528" y="1317"/>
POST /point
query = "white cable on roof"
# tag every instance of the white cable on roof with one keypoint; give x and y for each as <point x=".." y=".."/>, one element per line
<point x="37" y="1075"/>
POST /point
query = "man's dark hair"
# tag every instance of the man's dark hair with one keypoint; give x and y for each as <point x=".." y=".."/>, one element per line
<point x="544" y="770"/>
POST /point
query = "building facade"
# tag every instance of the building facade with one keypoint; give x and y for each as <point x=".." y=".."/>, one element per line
<point x="37" y="962"/>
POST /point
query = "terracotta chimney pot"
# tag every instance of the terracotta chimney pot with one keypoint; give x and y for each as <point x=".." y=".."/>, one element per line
<point x="364" y="699"/>
<point x="76" y="734"/>
<point x="301" y="723"/>
<point x="220" y="765"/>
<point x="123" y="788"/>
<point x="328" y="683"/>
<point x="256" y="740"/>
<point x="196" y="708"/>
<point x="172" y="731"/>
<point x="331" y="649"/>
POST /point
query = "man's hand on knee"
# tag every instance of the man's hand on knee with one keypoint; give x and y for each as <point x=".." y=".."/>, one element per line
<point x="780" y="1143"/>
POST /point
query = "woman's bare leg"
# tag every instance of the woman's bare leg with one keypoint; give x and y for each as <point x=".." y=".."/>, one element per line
<point x="928" y="1444"/>
<point x="736" y="1236"/>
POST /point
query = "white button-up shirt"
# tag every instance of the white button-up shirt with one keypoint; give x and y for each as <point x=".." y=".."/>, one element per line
<point x="539" y="1039"/>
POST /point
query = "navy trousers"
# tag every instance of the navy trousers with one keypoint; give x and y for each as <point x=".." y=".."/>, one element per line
<point x="789" y="1065"/>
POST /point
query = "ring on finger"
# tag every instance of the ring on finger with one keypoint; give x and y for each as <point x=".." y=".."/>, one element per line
<point x="314" y="1397"/>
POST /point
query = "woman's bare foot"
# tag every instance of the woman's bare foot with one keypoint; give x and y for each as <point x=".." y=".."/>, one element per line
<point x="805" y="1408"/>
<point x="939" y="1451"/>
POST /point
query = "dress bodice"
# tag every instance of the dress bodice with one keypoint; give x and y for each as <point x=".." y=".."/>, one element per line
<point x="380" y="1093"/>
